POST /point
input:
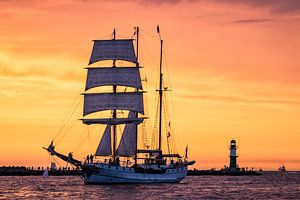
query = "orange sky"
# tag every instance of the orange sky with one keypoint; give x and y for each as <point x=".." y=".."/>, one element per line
<point x="233" y="68"/>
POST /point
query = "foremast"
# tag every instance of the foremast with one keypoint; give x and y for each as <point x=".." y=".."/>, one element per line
<point x="115" y="49"/>
<point x="114" y="112"/>
<point x="137" y="32"/>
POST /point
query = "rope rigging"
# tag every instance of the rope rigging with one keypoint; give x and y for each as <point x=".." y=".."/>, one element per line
<point x="66" y="118"/>
<point x="70" y="126"/>
<point x="149" y="140"/>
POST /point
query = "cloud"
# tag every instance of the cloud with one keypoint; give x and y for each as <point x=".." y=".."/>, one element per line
<point x="249" y="21"/>
<point x="275" y="6"/>
<point x="236" y="99"/>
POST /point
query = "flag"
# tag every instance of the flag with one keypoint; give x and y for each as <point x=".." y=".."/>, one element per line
<point x="157" y="28"/>
<point x="186" y="151"/>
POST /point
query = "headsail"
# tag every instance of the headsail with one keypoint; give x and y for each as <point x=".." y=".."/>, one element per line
<point x="94" y="102"/>
<point x="104" y="148"/>
<point x="127" y="145"/>
<point x="113" y="50"/>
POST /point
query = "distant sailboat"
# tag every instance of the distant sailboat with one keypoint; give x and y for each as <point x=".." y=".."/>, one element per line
<point x="150" y="165"/>
<point x="282" y="168"/>
<point x="46" y="173"/>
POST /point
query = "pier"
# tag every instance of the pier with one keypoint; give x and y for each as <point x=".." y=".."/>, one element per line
<point x="223" y="172"/>
<point x="37" y="171"/>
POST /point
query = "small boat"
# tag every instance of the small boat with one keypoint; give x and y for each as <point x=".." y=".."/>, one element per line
<point x="282" y="168"/>
<point x="125" y="162"/>
<point x="45" y="174"/>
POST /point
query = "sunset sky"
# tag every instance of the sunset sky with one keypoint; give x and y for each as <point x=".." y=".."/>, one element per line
<point x="233" y="67"/>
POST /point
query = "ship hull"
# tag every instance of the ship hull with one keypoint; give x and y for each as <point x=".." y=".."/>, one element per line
<point x="105" y="174"/>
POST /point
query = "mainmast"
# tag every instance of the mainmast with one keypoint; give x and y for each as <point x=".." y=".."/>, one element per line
<point x="114" y="112"/>
<point x="160" y="91"/>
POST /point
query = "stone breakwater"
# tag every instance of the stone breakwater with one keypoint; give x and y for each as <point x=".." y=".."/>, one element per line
<point x="38" y="171"/>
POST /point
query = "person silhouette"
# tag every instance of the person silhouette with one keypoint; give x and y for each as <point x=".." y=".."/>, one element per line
<point x="91" y="158"/>
<point x="88" y="158"/>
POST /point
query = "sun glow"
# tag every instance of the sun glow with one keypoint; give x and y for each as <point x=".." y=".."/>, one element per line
<point x="233" y="74"/>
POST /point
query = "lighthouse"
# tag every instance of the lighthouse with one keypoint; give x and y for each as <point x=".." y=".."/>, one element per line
<point x="233" y="156"/>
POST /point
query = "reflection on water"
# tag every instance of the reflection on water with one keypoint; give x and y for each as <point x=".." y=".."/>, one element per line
<point x="272" y="185"/>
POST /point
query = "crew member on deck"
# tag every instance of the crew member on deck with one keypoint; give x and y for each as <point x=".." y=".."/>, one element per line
<point x="87" y="158"/>
<point x="91" y="158"/>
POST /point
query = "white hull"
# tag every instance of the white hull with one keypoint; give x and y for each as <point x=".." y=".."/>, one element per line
<point x="105" y="174"/>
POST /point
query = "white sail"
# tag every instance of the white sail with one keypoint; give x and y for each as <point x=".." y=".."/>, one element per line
<point x="127" y="145"/>
<point x="113" y="121"/>
<point x="95" y="102"/>
<point x="45" y="174"/>
<point x="113" y="50"/>
<point x="104" y="148"/>
<point x="122" y="76"/>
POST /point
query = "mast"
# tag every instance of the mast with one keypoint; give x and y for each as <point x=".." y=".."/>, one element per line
<point x="136" y="115"/>
<point x="114" y="113"/>
<point x="114" y="76"/>
<point x="160" y="91"/>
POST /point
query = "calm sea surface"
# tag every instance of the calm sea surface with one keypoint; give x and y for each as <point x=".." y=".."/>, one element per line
<point x="272" y="185"/>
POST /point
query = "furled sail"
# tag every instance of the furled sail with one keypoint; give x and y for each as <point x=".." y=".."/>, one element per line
<point x="104" y="148"/>
<point x="113" y="50"/>
<point x="94" y="102"/>
<point x="127" y="145"/>
<point x="122" y="76"/>
<point x="113" y="121"/>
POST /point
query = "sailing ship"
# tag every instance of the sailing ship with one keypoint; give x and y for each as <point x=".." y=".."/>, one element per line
<point x="282" y="168"/>
<point x="149" y="165"/>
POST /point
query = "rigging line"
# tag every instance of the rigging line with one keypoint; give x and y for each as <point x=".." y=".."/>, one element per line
<point x="68" y="117"/>
<point x="152" y="60"/>
<point x="69" y="123"/>
<point x="64" y="121"/>
<point x="144" y="128"/>
<point x="172" y="113"/>
<point x="167" y="127"/>
<point x="155" y="129"/>
<point x="57" y="162"/>
<point x="90" y="139"/>
<point x="170" y="127"/>
<point x="149" y="52"/>
<point x="69" y="128"/>
<point x="72" y="115"/>
<point x="121" y="35"/>
<point x="81" y="143"/>
<point x="135" y="31"/>
<point x="104" y="36"/>
<point x="78" y="142"/>
<point x="167" y="67"/>
<point x="149" y="34"/>
<point x="149" y="122"/>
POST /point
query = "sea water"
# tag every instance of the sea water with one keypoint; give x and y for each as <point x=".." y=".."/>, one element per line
<point x="271" y="185"/>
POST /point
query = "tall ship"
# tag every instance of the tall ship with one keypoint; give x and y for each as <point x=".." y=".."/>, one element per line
<point x="122" y="160"/>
